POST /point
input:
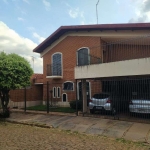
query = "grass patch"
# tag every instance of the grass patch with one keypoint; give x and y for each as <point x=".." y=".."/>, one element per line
<point x="56" y="109"/>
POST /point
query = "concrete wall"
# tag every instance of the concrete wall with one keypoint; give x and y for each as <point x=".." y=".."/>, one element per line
<point x="62" y="104"/>
<point x="114" y="69"/>
<point x="21" y="104"/>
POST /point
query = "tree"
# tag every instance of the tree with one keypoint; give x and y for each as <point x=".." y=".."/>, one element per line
<point x="15" y="72"/>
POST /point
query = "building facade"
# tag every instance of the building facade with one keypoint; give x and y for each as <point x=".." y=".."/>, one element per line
<point x="92" y="53"/>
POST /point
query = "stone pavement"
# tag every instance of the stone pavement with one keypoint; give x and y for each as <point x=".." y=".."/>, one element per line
<point x="138" y="132"/>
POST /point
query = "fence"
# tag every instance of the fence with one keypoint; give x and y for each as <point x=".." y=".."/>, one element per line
<point x="114" y="98"/>
<point x="120" y="98"/>
<point x="47" y="97"/>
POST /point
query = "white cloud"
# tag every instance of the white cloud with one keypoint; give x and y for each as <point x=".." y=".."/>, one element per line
<point x="73" y="13"/>
<point x="20" y="19"/>
<point x="12" y="42"/>
<point x="26" y="1"/>
<point x="46" y="4"/>
<point x="142" y="11"/>
<point x="40" y="39"/>
<point x="76" y="13"/>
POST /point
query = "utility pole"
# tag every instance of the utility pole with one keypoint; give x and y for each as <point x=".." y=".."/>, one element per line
<point x="96" y="11"/>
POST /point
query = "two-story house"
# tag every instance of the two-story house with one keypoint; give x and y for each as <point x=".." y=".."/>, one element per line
<point x="94" y="53"/>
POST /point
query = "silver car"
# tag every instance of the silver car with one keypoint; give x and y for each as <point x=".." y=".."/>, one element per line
<point x="140" y="106"/>
<point x="100" y="102"/>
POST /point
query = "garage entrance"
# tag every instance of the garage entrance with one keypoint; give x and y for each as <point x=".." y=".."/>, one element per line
<point x="125" y="98"/>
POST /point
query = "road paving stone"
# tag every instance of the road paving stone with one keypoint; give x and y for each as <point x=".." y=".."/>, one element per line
<point x="118" y="129"/>
<point x="138" y="132"/>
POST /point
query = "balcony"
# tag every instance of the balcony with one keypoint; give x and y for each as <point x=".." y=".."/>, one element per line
<point x="114" y="69"/>
<point x="129" y="57"/>
<point x="54" y="71"/>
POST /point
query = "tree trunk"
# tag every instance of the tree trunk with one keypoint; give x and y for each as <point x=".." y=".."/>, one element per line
<point x="4" y="95"/>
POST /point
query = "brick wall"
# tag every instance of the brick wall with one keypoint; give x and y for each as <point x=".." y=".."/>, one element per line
<point x="68" y="47"/>
<point x="118" y="52"/>
<point x="34" y="93"/>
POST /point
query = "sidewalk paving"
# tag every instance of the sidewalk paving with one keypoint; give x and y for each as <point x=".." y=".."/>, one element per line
<point x="138" y="132"/>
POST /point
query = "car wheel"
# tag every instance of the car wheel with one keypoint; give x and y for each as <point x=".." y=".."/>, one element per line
<point x="92" y="111"/>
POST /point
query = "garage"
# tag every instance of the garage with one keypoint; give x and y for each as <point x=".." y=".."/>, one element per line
<point x="126" y="92"/>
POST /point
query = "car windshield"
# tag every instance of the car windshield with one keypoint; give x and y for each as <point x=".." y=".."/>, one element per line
<point x="101" y="96"/>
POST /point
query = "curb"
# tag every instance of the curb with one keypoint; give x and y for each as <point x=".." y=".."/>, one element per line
<point x="44" y="113"/>
<point x="30" y="124"/>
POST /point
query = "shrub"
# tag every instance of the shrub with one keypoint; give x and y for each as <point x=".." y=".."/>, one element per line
<point x="79" y="104"/>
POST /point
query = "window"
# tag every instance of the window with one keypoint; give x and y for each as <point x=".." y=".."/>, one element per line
<point x="54" y="92"/>
<point x="68" y="86"/>
<point x="58" y="92"/>
<point x="83" y="57"/>
<point x="57" y="64"/>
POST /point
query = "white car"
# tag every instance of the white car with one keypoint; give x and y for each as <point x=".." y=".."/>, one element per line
<point x="99" y="102"/>
<point x="140" y="106"/>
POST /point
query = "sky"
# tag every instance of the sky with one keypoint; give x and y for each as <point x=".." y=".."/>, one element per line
<point x="24" y="24"/>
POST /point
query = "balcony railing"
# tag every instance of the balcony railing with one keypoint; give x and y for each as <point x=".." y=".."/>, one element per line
<point x="88" y="59"/>
<point x="54" y="70"/>
<point x="126" y="49"/>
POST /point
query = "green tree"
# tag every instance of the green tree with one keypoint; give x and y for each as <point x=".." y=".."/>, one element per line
<point x="15" y="72"/>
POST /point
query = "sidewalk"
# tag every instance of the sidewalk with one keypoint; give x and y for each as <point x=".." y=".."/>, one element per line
<point x="139" y="132"/>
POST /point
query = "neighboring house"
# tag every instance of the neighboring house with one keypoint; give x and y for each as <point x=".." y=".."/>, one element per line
<point x="91" y="52"/>
<point x="33" y="93"/>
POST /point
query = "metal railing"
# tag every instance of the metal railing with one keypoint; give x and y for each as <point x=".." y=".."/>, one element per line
<point x="88" y="59"/>
<point x="54" y="70"/>
<point x="125" y="49"/>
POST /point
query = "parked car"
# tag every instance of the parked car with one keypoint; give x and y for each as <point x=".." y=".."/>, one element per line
<point x="139" y="106"/>
<point x="100" y="101"/>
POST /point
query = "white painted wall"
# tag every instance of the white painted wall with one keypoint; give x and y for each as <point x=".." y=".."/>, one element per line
<point x="114" y="69"/>
<point x="61" y="104"/>
<point x="21" y="104"/>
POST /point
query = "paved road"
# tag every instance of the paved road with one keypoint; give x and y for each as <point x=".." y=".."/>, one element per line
<point x="24" y="137"/>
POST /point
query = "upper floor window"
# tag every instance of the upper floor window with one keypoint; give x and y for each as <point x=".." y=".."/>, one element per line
<point x="68" y="86"/>
<point x="57" y="64"/>
<point x="83" y="57"/>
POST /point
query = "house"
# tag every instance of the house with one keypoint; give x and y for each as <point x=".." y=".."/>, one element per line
<point x="98" y="55"/>
<point x="32" y="94"/>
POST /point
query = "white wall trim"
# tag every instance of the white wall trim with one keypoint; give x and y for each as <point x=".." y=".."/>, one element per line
<point x="114" y="69"/>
